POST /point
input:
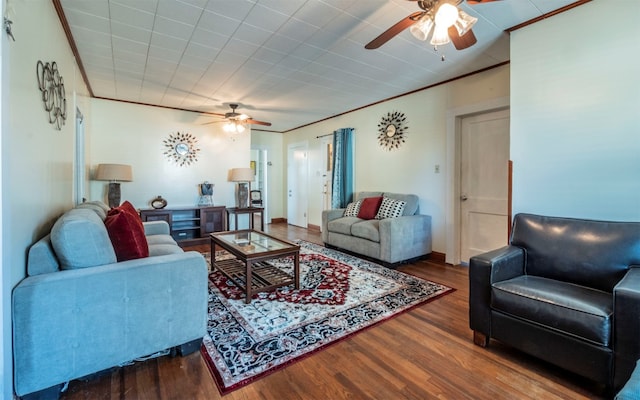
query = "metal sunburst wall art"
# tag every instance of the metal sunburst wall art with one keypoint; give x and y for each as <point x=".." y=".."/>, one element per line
<point x="181" y="148"/>
<point x="392" y="128"/>
<point x="51" y="86"/>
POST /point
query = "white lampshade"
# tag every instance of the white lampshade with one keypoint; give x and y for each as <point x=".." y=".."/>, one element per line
<point x="440" y="36"/>
<point x="464" y="22"/>
<point x="114" y="173"/>
<point x="241" y="175"/>
<point x="446" y="15"/>
<point x="422" y="28"/>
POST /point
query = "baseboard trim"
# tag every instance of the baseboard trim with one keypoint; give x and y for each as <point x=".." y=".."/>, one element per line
<point x="278" y="220"/>
<point x="437" y="257"/>
<point x="315" y="228"/>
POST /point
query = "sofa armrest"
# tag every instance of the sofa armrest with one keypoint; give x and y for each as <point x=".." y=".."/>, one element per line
<point x="327" y="216"/>
<point x="405" y="237"/>
<point x="68" y="324"/>
<point x="156" y="228"/>
<point x="626" y="330"/>
<point x="484" y="269"/>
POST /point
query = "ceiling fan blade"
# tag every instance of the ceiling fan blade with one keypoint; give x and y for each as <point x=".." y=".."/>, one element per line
<point x="256" y="122"/>
<point x="461" y="42"/>
<point x="394" y="30"/>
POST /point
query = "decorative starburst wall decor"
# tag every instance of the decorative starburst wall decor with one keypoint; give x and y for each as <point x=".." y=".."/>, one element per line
<point x="181" y="148"/>
<point x="392" y="128"/>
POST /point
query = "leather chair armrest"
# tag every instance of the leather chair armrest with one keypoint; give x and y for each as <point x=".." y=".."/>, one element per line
<point x="626" y="330"/>
<point x="485" y="269"/>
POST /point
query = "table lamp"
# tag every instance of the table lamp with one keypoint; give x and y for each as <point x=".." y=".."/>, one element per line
<point x="114" y="173"/>
<point x="243" y="176"/>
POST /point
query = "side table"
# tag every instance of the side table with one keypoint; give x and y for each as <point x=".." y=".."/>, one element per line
<point x="246" y="210"/>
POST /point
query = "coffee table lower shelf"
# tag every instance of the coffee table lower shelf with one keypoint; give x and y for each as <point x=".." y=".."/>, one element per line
<point x="264" y="276"/>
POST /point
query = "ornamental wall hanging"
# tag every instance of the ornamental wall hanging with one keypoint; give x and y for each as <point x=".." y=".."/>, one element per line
<point x="51" y="86"/>
<point x="181" y="148"/>
<point x="392" y="128"/>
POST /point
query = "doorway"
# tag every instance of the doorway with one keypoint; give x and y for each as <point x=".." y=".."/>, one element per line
<point x="453" y="184"/>
<point x="297" y="183"/>
<point x="327" y="171"/>
<point x="484" y="176"/>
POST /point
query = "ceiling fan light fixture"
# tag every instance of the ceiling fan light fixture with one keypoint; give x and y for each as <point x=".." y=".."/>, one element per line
<point x="446" y="15"/>
<point x="233" y="127"/>
<point x="421" y="29"/>
<point x="440" y="36"/>
<point x="464" y="22"/>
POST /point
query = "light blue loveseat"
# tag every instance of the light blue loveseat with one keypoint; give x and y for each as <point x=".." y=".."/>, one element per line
<point x="79" y="311"/>
<point x="391" y="240"/>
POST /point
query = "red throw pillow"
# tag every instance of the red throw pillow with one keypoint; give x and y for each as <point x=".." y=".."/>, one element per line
<point x="127" y="234"/>
<point x="369" y="207"/>
<point x="126" y="206"/>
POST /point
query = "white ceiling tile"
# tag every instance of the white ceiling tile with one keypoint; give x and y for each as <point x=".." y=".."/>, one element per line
<point x="131" y="16"/>
<point x="303" y="55"/>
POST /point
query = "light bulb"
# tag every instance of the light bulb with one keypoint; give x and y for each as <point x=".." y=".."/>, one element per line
<point x="447" y="15"/>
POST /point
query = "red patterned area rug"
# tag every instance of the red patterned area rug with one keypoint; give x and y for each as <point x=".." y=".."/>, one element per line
<point x="339" y="296"/>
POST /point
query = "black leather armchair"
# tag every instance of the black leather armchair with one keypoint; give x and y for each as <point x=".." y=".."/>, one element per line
<point x="566" y="291"/>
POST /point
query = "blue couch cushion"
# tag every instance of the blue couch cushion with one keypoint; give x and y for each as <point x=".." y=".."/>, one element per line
<point x="42" y="259"/>
<point x="577" y="310"/>
<point x="80" y="240"/>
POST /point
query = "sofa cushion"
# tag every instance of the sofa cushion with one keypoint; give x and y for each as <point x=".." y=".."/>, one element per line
<point x="160" y="239"/>
<point x="42" y="258"/>
<point x="127" y="234"/>
<point x="80" y="240"/>
<point x="369" y="207"/>
<point x="390" y="208"/>
<point x="97" y="206"/>
<point x="412" y="200"/>
<point x="368" y="229"/>
<point x="342" y="225"/>
<point x="577" y="310"/>
<point x="162" y="249"/>
<point x="364" y="195"/>
<point x="352" y="209"/>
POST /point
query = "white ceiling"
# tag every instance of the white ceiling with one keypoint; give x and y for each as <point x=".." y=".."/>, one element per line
<point x="289" y="62"/>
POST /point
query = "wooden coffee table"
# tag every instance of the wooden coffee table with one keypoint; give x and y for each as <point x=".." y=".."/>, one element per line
<point x="253" y="250"/>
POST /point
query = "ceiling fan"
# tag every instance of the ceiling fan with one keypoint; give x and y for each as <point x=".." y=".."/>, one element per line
<point x="447" y="21"/>
<point x="235" y="121"/>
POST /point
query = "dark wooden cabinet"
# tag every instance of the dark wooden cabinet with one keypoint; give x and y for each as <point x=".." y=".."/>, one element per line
<point x="189" y="226"/>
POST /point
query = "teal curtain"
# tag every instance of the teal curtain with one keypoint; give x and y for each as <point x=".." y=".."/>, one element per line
<point x="342" y="179"/>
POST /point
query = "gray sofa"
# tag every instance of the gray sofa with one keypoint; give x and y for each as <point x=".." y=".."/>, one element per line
<point x="79" y="311"/>
<point x="391" y="240"/>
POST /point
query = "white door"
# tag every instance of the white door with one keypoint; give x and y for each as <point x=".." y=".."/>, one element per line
<point x="484" y="174"/>
<point x="297" y="184"/>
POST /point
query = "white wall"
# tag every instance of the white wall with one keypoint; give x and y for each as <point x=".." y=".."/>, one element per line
<point x="125" y="133"/>
<point x="575" y="112"/>
<point x="37" y="160"/>
<point x="411" y="168"/>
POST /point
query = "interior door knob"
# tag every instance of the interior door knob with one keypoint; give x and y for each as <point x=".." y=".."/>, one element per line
<point x="463" y="197"/>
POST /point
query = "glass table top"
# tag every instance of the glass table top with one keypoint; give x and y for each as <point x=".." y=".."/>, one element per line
<point x="252" y="242"/>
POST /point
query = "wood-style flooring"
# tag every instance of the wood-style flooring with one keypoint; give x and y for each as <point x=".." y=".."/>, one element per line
<point x="425" y="353"/>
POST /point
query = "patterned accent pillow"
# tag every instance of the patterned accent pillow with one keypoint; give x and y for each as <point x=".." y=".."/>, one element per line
<point x="353" y="209"/>
<point x="390" y="208"/>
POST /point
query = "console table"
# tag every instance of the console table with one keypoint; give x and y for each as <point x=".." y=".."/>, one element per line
<point x="246" y="210"/>
<point x="189" y="225"/>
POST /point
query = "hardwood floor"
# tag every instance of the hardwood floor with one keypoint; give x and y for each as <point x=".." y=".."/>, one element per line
<point x="425" y="353"/>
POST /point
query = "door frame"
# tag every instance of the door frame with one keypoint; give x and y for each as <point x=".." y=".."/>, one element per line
<point x="454" y="128"/>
